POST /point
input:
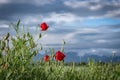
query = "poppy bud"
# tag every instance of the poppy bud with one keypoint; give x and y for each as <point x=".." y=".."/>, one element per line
<point x="28" y="34"/>
<point x="40" y="35"/>
<point x="46" y="58"/>
<point x="64" y="42"/>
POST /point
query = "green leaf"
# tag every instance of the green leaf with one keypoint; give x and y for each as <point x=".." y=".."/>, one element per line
<point x="40" y="35"/>
<point x="28" y="34"/>
<point x="16" y="27"/>
<point x="23" y="68"/>
<point x="18" y="23"/>
<point x="8" y="75"/>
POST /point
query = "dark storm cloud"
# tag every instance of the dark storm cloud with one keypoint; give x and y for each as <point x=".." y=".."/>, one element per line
<point x="101" y="40"/>
<point x="83" y="11"/>
<point x="10" y="11"/>
<point x="98" y="8"/>
<point x="116" y="27"/>
<point x="15" y="10"/>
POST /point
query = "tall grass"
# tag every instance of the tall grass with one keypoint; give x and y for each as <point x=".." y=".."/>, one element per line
<point x="16" y="63"/>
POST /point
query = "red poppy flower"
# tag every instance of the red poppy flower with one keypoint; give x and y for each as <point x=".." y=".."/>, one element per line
<point x="46" y="58"/>
<point x="44" y="26"/>
<point x="59" y="56"/>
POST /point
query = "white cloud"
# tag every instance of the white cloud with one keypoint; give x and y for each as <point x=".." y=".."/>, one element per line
<point x="34" y="2"/>
<point x="4" y="1"/>
<point x="114" y="51"/>
<point x="57" y="18"/>
<point x="32" y="19"/>
<point x="98" y="4"/>
<point x="96" y="51"/>
<point x="41" y="2"/>
<point x="64" y="18"/>
<point x="49" y="38"/>
<point x="75" y="4"/>
<point x="101" y="41"/>
<point x="112" y="13"/>
<point x="61" y="17"/>
<point x="4" y="26"/>
<point x="108" y="14"/>
<point x="114" y="3"/>
<point x="86" y="4"/>
<point x="95" y="7"/>
<point x="93" y="50"/>
<point x="55" y="39"/>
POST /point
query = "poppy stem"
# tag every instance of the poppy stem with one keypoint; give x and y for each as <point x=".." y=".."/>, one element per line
<point x="49" y="63"/>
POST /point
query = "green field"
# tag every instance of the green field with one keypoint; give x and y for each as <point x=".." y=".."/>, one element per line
<point x="44" y="71"/>
<point x="16" y="62"/>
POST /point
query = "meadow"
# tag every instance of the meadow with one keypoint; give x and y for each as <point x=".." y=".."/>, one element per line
<point x="16" y="62"/>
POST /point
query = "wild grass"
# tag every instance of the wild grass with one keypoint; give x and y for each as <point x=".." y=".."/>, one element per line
<point x="16" y="63"/>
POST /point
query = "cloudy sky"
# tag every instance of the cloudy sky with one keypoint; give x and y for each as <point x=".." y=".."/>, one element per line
<point x="88" y="26"/>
